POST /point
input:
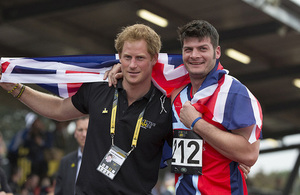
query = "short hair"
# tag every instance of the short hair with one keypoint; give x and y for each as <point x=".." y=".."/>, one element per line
<point x="200" y="29"/>
<point x="138" y="32"/>
<point x="82" y="118"/>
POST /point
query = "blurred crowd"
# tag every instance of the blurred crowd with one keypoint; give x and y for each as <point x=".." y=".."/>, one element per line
<point x="31" y="158"/>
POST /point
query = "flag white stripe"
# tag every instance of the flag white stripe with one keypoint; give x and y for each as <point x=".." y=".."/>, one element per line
<point x="46" y="65"/>
<point x="195" y="181"/>
<point x="63" y="90"/>
<point x="52" y="78"/>
<point x="171" y="73"/>
<point x="163" y="58"/>
<point x="179" y="125"/>
<point x="208" y="91"/>
<point x="221" y="100"/>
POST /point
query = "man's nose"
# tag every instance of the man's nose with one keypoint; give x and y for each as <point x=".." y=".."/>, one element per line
<point x="195" y="53"/>
<point x="133" y="63"/>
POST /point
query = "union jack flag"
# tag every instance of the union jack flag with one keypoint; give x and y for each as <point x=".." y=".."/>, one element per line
<point x="224" y="101"/>
<point x="64" y="75"/>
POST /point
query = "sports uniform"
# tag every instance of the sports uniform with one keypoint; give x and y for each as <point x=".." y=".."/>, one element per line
<point x="206" y="170"/>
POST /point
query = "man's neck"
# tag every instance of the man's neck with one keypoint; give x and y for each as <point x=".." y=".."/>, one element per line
<point x="135" y="92"/>
<point x="196" y="84"/>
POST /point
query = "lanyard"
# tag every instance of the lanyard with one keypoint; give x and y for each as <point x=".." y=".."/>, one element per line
<point x="137" y="126"/>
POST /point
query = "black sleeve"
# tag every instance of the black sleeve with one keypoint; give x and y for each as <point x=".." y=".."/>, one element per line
<point x="80" y="99"/>
<point x="169" y="136"/>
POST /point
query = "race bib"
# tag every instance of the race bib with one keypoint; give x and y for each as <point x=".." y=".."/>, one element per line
<point x="187" y="153"/>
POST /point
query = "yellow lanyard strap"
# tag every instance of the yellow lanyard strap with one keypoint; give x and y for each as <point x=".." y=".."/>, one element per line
<point x="138" y="123"/>
<point x="137" y="129"/>
<point x="113" y="113"/>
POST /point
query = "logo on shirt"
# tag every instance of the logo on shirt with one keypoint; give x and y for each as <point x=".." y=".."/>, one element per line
<point x="104" y="111"/>
<point x="182" y="134"/>
<point x="147" y="124"/>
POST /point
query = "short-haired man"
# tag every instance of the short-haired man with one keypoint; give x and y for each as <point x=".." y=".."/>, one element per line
<point x="227" y="116"/>
<point x="130" y="121"/>
<point x="70" y="164"/>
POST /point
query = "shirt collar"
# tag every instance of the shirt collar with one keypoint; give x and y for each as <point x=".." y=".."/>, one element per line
<point x="79" y="153"/>
<point x="148" y="94"/>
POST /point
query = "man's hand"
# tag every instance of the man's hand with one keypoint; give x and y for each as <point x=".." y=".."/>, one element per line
<point x="8" y="86"/>
<point x="188" y="114"/>
<point x="233" y="145"/>
<point x="113" y="75"/>
<point x="245" y="169"/>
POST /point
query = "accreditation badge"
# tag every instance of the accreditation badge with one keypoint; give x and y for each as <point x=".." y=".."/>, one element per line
<point x="112" y="162"/>
<point x="187" y="153"/>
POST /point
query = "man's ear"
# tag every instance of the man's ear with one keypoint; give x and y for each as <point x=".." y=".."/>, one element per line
<point x="154" y="59"/>
<point x="218" y="52"/>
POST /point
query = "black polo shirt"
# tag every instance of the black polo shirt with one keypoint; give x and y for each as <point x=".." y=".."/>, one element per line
<point x="139" y="173"/>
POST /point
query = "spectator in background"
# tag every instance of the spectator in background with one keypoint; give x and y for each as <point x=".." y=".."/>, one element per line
<point x="38" y="142"/>
<point x="34" y="185"/>
<point x="31" y="185"/>
<point x="168" y="187"/>
<point x="3" y="150"/>
<point x="15" y="179"/>
<point x="61" y="137"/>
<point x="61" y="144"/>
<point x="4" y="187"/>
<point x="18" y="140"/>
<point x="47" y="186"/>
<point x="70" y="164"/>
<point x="26" y="152"/>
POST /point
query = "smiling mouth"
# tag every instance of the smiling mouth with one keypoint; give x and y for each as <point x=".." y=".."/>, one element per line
<point x="196" y="63"/>
<point x="134" y="73"/>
